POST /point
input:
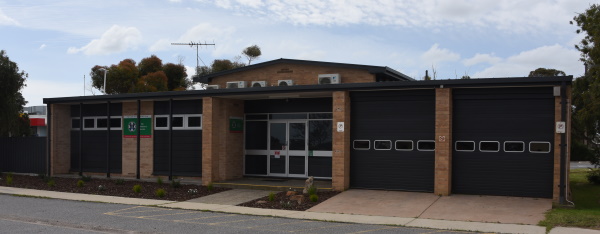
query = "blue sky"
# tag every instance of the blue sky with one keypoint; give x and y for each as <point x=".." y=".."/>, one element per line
<point x="58" y="42"/>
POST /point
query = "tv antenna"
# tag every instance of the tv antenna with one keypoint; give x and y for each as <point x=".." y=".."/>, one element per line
<point x="197" y="45"/>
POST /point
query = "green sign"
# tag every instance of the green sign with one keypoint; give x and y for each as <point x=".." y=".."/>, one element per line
<point x="236" y="124"/>
<point x="130" y="126"/>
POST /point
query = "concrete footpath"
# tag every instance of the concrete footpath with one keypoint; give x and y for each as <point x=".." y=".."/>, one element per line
<point x="350" y="218"/>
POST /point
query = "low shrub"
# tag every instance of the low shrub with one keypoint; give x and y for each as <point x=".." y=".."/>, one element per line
<point x="101" y="188"/>
<point x="80" y="183"/>
<point x="119" y="181"/>
<point x="51" y="182"/>
<point x="175" y="183"/>
<point x="86" y="178"/>
<point x="210" y="187"/>
<point x="9" y="179"/>
<point x="312" y="190"/>
<point x="137" y="188"/>
<point x="593" y="176"/>
<point x="160" y="192"/>
<point x="313" y="198"/>
<point x="271" y="196"/>
<point x="159" y="180"/>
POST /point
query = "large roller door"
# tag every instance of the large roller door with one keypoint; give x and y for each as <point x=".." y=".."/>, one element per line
<point x="392" y="136"/>
<point x="503" y="141"/>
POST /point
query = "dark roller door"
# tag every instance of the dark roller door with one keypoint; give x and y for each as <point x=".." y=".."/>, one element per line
<point x="187" y="152"/>
<point x="393" y="115"/>
<point x="516" y="116"/>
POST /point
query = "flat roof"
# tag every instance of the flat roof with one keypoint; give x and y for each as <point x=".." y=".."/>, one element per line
<point x="317" y="88"/>
<point x="385" y="71"/>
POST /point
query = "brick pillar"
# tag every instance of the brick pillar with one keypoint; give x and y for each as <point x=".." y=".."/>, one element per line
<point x="557" y="142"/>
<point x="341" y="141"/>
<point x="60" y="149"/>
<point x="129" y="146"/>
<point x="210" y="122"/>
<point x="443" y="136"/>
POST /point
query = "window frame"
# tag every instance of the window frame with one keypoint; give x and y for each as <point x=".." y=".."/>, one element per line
<point x="489" y="151"/>
<point x="95" y="119"/>
<point x="368" y="148"/>
<point x="456" y="148"/>
<point x="540" y="152"/>
<point x="522" y="142"/>
<point x="412" y="145"/>
<point x="375" y="141"/>
<point x="434" y="145"/>
<point x="185" y="122"/>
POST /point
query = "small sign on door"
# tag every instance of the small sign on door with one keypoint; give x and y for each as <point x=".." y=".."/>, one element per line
<point x="277" y="154"/>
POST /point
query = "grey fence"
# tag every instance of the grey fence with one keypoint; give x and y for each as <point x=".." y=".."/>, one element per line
<point x="23" y="154"/>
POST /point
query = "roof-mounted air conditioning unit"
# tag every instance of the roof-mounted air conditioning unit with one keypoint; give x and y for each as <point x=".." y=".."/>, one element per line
<point x="215" y="86"/>
<point x="329" y="79"/>
<point x="259" y="84"/>
<point x="285" y="82"/>
<point x="236" y="84"/>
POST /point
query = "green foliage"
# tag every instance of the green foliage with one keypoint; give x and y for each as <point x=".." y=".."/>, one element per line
<point x="80" y="183"/>
<point x="137" y="188"/>
<point x="176" y="76"/>
<point x="160" y="192"/>
<point x="159" y="180"/>
<point x="152" y="82"/>
<point x="210" y="187"/>
<point x="51" y="183"/>
<point x="312" y="190"/>
<point x="313" y="198"/>
<point x="271" y="196"/>
<point x="149" y="65"/>
<point x="119" y="181"/>
<point x="580" y="152"/>
<point x="12" y="81"/>
<point x="252" y="53"/>
<point x="593" y="177"/>
<point x="546" y="72"/>
<point x="9" y="179"/>
<point x="175" y="183"/>
<point x="86" y="178"/>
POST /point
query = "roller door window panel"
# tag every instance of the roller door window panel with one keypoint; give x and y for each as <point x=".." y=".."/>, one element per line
<point x="489" y="146"/>
<point x="426" y="145"/>
<point x="382" y="145"/>
<point x="361" y="144"/>
<point x="466" y="146"/>
<point x="180" y="122"/>
<point x="404" y="145"/>
<point x="514" y="146"/>
<point x="539" y="147"/>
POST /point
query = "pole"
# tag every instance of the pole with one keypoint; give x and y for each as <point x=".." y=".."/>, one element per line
<point x="170" y="139"/>
<point x="138" y="139"/>
<point x="107" y="139"/>
<point x="49" y="141"/>
<point x="105" y="71"/>
<point x="80" y="137"/>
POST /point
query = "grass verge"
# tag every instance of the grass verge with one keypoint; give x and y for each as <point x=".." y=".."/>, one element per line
<point x="586" y="213"/>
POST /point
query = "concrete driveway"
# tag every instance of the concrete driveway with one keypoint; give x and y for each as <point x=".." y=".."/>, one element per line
<point x="493" y="209"/>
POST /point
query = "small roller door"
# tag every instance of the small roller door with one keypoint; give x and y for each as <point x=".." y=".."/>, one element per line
<point x="387" y="117"/>
<point x="520" y="122"/>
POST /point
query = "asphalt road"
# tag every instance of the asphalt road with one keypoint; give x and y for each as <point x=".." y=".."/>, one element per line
<point x="40" y="215"/>
<point x="581" y="164"/>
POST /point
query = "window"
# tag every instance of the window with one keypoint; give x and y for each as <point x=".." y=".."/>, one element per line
<point x="320" y="116"/>
<point x="468" y="146"/>
<point x="320" y="135"/>
<point x="115" y="123"/>
<point x="97" y="123"/>
<point x="514" y="146"/>
<point x="101" y="123"/>
<point x="361" y="144"/>
<point x="539" y="147"/>
<point x="426" y="145"/>
<point x="404" y="145"/>
<point x="180" y="122"/>
<point x="489" y="146"/>
<point x="89" y="123"/>
<point x="382" y="145"/>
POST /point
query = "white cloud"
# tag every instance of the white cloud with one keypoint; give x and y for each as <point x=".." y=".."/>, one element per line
<point x="42" y="46"/>
<point x="5" y="20"/>
<point x="37" y="90"/>
<point x="436" y="55"/>
<point x="116" y="39"/>
<point x="481" y="58"/>
<point x="555" y="56"/>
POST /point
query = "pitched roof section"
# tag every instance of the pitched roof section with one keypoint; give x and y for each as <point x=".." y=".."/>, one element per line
<point x="378" y="70"/>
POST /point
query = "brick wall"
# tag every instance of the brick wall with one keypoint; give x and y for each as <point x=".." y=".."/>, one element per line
<point x="557" y="142"/>
<point x="341" y="141"/>
<point x="443" y="147"/>
<point x="300" y="74"/>
<point x="222" y="151"/>
<point x="60" y="138"/>
<point x="130" y="144"/>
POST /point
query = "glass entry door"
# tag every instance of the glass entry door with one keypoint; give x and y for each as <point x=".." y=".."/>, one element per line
<point x="287" y="149"/>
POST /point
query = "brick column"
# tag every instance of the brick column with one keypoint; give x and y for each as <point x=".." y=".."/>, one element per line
<point x="443" y="136"/>
<point x="60" y="150"/>
<point x="129" y="146"/>
<point x="557" y="142"/>
<point x="210" y="159"/>
<point x="341" y="141"/>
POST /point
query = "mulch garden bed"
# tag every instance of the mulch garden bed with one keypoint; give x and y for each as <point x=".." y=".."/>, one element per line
<point x="111" y="187"/>
<point x="284" y="202"/>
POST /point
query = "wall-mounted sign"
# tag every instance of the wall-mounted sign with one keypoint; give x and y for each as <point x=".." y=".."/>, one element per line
<point x="236" y="124"/>
<point x="130" y="126"/>
<point x="442" y="139"/>
<point x="561" y="127"/>
<point x="277" y="154"/>
<point x="340" y="126"/>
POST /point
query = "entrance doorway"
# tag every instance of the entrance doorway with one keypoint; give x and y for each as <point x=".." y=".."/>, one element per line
<point x="287" y="149"/>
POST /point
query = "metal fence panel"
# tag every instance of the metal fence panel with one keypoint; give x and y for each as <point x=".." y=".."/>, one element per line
<point x="23" y="154"/>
